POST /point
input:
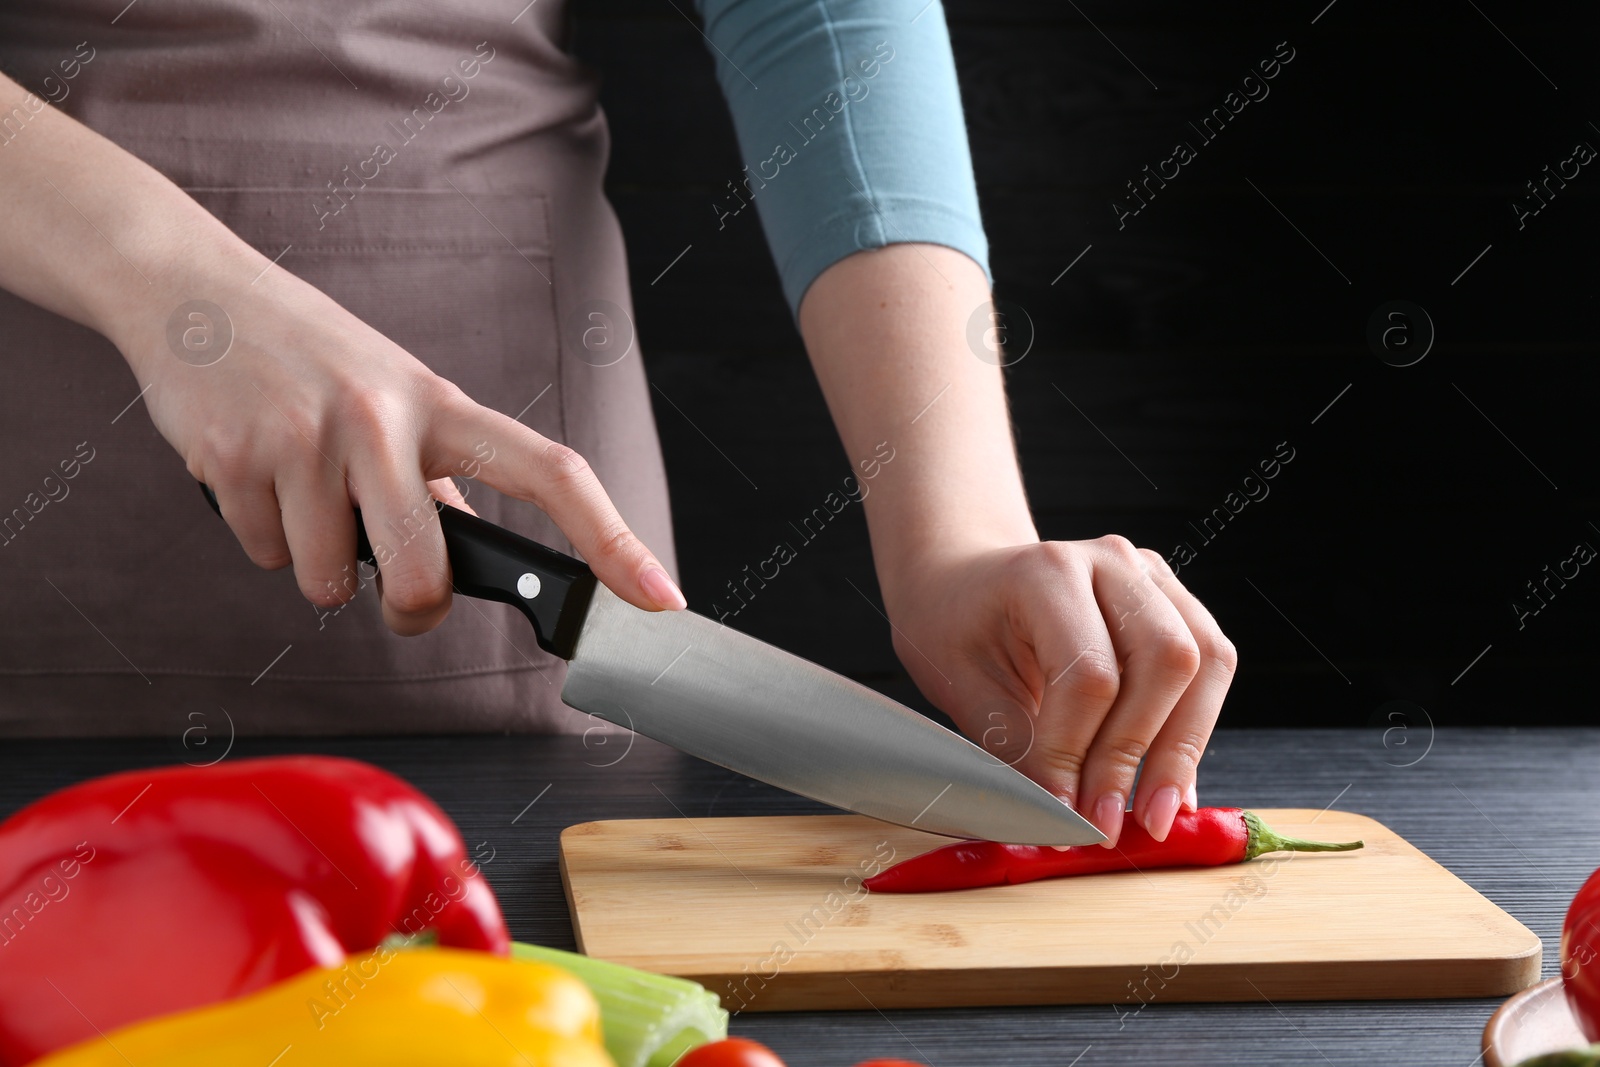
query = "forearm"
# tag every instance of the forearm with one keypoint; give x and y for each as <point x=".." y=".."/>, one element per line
<point x="92" y="233"/>
<point x="886" y="331"/>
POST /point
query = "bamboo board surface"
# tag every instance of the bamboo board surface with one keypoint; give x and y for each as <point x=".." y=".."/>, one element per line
<point x="769" y="913"/>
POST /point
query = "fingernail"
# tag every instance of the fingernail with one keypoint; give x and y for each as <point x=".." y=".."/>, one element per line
<point x="662" y="589"/>
<point x="1160" y="812"/>
<point x="1108" y="812"/>
<point x="1067" y="799"/>
<point x="1191" y="800"/>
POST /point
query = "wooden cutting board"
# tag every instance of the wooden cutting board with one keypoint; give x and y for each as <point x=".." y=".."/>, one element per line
<point x="770" y="914"/>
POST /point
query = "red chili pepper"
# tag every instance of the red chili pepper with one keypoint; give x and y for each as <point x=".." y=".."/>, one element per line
<point x="1209" y="837"/>
<point x="156" y="891"/>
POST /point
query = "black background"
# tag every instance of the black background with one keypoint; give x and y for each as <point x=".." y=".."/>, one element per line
<point x="1389" y="552"/>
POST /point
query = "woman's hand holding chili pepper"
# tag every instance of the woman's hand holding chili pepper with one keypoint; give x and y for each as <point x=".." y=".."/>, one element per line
<point x="1072" y="661"/>
<point x="1085" y="655"/>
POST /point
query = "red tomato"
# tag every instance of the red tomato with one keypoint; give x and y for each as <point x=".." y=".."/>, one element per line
<point x="730" y="1052"/>
<point x="1580" y="944"/>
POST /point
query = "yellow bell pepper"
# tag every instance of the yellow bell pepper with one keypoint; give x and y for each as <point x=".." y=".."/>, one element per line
<point x="387" y="1008"/>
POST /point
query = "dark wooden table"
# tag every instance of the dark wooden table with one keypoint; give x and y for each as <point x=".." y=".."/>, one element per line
<point x="1512" y="812"/>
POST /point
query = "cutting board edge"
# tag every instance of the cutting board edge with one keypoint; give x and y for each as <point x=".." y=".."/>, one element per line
<point x="1302" y="981"/>
<point x="567" y="891"/>
<point x="1529" y="958"/>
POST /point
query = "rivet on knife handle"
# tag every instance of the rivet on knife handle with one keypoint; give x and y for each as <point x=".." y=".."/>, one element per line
<point x="492" y="563"/>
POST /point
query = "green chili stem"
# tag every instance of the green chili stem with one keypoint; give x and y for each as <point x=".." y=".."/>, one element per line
<point x="1261" y="839"/>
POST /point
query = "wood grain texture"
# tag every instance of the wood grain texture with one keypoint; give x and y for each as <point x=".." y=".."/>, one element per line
<point x="770" y="913"/>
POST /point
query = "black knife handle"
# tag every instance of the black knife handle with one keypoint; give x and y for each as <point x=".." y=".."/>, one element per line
<point x="492" y="563"/>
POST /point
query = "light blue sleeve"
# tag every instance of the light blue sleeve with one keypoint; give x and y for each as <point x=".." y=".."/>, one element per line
<point x="850" y="127"/>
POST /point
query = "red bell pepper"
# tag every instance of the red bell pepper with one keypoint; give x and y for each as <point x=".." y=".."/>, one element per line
<point x="150" y="892"/>
<point x="1209" y="837"/>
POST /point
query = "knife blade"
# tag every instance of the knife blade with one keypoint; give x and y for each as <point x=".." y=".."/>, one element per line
<point x="726" y="697"/>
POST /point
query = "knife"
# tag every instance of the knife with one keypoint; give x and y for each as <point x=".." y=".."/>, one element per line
<point x="732" y="700"/>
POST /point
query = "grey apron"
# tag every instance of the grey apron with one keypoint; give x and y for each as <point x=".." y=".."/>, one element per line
<point x="433" y="165"/>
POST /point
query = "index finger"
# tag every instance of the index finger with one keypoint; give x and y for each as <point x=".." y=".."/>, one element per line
<point x="531" y="467"/>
